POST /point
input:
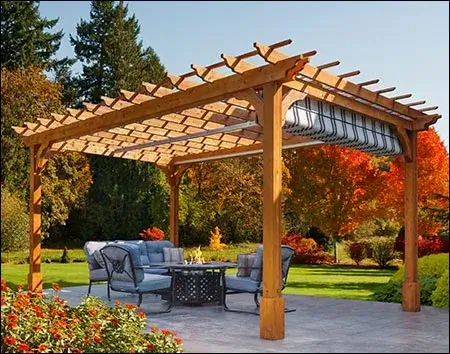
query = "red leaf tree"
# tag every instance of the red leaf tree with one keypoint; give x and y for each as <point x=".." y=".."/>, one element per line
<point x="333" y="188"/>
<point x="432" y="164"/>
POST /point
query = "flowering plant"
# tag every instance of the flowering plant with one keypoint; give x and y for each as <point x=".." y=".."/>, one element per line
<point x="33" y="322"/>
<point x="152" y="234"/>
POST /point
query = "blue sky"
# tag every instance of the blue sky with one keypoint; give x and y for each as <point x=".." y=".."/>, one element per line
<point x="404" y="44"/>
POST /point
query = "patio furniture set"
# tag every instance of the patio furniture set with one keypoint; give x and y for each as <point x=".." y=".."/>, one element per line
<point x="157" y="267"/>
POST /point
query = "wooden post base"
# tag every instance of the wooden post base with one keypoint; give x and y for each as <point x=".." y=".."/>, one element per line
<point x="35" y="282"/>
<point x="272" y="318"/>
<point x="411" y="297"/>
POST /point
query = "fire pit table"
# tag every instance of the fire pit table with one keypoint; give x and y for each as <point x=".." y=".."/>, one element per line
<point x="197" y="284"/>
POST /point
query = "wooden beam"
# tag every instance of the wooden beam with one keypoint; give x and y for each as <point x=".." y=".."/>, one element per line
<point x="401" y="97"/>
<point x="415" y="103"/>
<point x="349" y="74"/>
<point x="328" y="65"/>
<point x="178" y="101"/>
<point x="426" y="109"/>
<point x="315" y="91"/>
<point x="369" y="82"/>
<point x="37" y="163"/>
<point x="388" y="89"/>
<point x="338" y="82"/>
<point x="272" y="316"/>
<point x="174" y="175"/>
<point x="411" y="286"/>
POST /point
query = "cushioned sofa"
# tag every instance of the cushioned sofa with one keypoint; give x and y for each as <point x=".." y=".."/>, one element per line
<point x="149" y="251"/>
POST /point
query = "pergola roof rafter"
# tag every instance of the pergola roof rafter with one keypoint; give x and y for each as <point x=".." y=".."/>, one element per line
<point x="156" y="113"/>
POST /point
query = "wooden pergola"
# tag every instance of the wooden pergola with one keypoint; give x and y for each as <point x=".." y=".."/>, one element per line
<point x="226" y="115"/>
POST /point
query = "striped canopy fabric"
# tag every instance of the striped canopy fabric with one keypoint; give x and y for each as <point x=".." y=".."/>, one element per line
<point x="332" y="124"/>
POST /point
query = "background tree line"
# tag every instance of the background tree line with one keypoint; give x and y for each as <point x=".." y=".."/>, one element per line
<point x="329" y="192"/>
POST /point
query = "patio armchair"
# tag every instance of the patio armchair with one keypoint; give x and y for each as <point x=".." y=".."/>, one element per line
<point x="248" y="278"/>
<point x="126" y="273"/>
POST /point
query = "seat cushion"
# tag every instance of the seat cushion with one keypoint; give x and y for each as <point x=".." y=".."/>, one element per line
<point x="151" y="282"/>
<point x="156" y="257"/>
<point x="172" y="254"/>
<point x="156" y="270"/>
<point x="245" y="262"/>
<point x="241" y="283"/>
<point x="98" y="275"/>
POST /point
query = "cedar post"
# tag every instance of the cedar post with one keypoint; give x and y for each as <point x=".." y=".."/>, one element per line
<point x="272" y="317"/>
<point x="174" y="174"/>
<point x="37" y="163"/>
<point x="411" y="287"/>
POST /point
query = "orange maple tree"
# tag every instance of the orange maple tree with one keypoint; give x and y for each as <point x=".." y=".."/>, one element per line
<point x="433" y="179"/>
<point x="333" y="188"/>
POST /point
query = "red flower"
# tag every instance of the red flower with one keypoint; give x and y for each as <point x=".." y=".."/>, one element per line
<point x="12" y="325"/>
<point x="96" y="326"/>
<point x="150" y="347"/>
<point x="23" y="347"/>
<point x="13" y="317"/>
<point x="56" y="287"/>
<point x="167" y="332"/>
<point x="154" y="329"/>
<point x="114" y="320"/>
<point x="9" y="340"/>
<point x="178" y="340"/>
<point x="117" y="303"/>
<point x="4" y="287"/>
<point x="141" y="314"/>
<point x="130" y="306"/>
<point x="97" y="339"/>
<point x="56" y="336"/>
<point x="42" y="347"/>
<point x="3" y="301"/>
<point x="87" y="340"/>
<point x="92" y="313"/>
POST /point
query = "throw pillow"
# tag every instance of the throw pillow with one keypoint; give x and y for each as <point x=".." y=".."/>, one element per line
<point x="257" y="265"/>
<point x="245" y="262"/>
<point x="99" y="258"/>
<point x="172" y="254"/>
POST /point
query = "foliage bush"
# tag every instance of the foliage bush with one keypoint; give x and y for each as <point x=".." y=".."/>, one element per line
<point x="306" y="250"/>
<point x="425" y="245"/>
<point x="215" y="240"/>
<point x="65" y="256"/>
<point x="36" y="323"/>
<point x="356" y="250"/>
<point x="431" y="269"/>
<point x="439" y="297"/>
<point x="383" y="251"/>
<point x="152" y="234"/>
<point x="15" y="222"/>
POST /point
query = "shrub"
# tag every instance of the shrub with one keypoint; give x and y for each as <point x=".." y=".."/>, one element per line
<point x="428" y="266"/>
<point x="383" y="251"/>
<point x="430" y="270"/>
<point x="215" y="240"/>
<point x="15" y="222"/>
<point x="356" y="250"/>
<point x="34" y="323"/>
<point x="439" y="297"/>
<point x="425" y="245"/>
<point x="65" y="256"/>
<point x="152" y="234"/>
<point x="306" y="250"/>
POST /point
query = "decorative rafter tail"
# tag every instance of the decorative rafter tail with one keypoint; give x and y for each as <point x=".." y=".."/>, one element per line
<point x="369" y="82"/>
<point x="426" y="109"/>
<point x="272" y="56"/>
<point x="349" y="74"/>
<point x="19" y="130"/>
<point x="418" y="103"/>
<point x="329" y="65"/>
<point x="401" y="97"/>
<point x="235" y="64"/>
<point x="388" y="89"/>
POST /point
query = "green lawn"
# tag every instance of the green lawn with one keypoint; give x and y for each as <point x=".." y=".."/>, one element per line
<point x="346" y="282"/>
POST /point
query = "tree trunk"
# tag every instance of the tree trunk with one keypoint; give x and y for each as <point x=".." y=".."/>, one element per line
<point x="336" y="258"/>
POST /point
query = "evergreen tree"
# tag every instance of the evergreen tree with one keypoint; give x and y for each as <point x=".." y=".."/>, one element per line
<point x="126" y="195"/>
<point x="25" y="37"/>
<point x="107" y="45"/>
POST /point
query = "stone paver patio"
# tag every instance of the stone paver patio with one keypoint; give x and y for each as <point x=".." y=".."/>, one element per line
<point x="319" y="325"/>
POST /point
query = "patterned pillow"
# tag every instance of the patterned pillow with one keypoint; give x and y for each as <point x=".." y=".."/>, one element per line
<point x="172" y="254"/>
<point x="245" y="262"/>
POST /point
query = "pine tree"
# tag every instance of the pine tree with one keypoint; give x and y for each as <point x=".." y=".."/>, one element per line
<point x="107" y="45"/>
<point x="25" y="37"/>
<point x="126" y="195"/>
